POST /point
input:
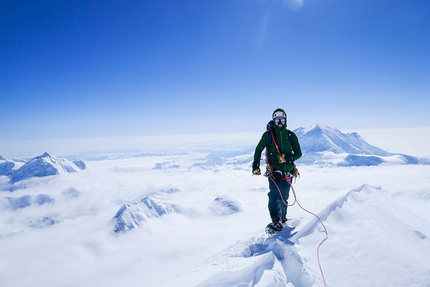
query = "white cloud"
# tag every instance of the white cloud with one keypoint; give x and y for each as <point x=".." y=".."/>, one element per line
<point x="81" y="249"/>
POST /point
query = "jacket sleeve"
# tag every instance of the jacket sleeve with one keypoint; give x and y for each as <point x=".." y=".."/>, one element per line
<point x="296" y="147"/>
<point x="260" y="147"/>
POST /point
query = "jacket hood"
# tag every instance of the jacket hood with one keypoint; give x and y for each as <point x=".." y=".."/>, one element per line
<point x="279" y="110"/>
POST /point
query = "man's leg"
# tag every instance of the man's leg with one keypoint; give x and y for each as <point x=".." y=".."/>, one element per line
<point x="274" y="197"/>
<point x="284" y="186"/>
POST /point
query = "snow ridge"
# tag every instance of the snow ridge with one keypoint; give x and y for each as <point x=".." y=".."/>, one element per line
<point x="260" y="261"/>
<point x="289" y="258"/>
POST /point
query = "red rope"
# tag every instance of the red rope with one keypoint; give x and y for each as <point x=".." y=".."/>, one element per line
<point x="274" y="141"/>
<point x="325" y="229"/>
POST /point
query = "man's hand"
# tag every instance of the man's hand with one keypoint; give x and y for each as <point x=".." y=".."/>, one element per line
<point x="256" y="168"/>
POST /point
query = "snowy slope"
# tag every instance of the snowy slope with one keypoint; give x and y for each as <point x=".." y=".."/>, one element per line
<point x="365" y="227"/>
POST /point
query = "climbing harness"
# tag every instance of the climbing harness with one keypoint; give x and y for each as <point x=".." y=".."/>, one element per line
<point x="281" y="157"/>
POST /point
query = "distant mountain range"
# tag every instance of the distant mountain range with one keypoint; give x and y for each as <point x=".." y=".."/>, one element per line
<point x="321" y="145"/>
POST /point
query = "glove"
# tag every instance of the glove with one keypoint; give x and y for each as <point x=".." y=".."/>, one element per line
<point x="256" y="168"/>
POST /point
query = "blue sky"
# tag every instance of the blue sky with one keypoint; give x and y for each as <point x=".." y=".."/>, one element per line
<point x="72" y="69"/>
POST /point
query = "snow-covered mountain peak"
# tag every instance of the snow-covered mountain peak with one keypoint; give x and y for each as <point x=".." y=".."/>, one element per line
<point x="45" y="154"/>
<point x="131" y="215"/>
<point x="320" y="138"/>
<point x="45" y="165"/>
<point x="326" y="145"/>
<point x="317" y="128"/>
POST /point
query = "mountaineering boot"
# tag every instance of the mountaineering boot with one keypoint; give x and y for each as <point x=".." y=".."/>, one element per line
<point x="274" y="227"/>
<point x="284" y="220"/>
<point x="277" y="225"/>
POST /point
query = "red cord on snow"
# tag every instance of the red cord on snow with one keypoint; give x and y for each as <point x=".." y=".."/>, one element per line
<point x="325" y="229"/>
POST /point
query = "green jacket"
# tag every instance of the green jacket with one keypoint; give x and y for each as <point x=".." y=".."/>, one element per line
<point x="291" y="149"/>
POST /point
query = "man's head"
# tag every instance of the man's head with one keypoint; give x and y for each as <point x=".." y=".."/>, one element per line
<point x="279" y="117"/>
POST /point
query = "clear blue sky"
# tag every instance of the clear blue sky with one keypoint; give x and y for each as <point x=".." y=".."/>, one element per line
<point x="71" y="69"/>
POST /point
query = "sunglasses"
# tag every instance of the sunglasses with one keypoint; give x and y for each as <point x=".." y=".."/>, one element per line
<point x="279" y="119"/>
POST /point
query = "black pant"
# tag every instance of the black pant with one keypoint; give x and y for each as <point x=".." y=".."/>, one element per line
<point x="278" y="185"/>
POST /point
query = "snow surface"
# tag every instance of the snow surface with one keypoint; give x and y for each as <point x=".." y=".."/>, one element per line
<point x="198" y="220"/>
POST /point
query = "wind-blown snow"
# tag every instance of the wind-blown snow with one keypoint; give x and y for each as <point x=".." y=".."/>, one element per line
<point x="198" y="218"/>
